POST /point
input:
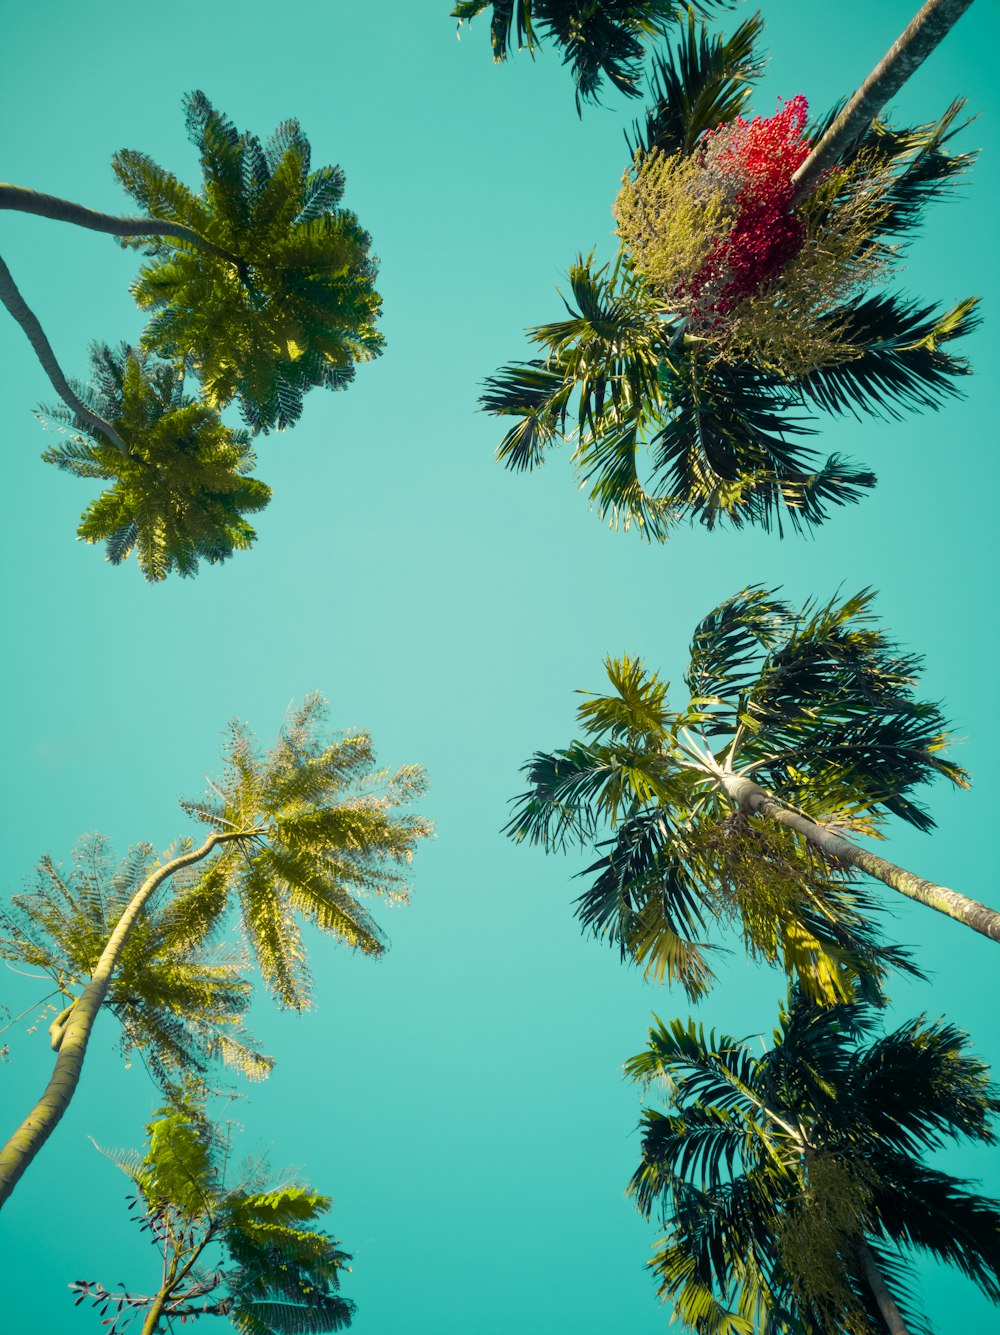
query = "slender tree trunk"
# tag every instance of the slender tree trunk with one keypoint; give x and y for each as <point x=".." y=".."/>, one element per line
<point x="750" y="797"/>
<point x="20" y="199"/>
<point x="153" y="1315"/>
<point x="26" y="318"/>
<point x="873" y="1276"/>
<point x="907" y="53"/>
<point x="35" y="1130"/>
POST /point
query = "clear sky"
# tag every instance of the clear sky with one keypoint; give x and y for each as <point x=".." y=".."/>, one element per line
<point x="463" y="1099"/>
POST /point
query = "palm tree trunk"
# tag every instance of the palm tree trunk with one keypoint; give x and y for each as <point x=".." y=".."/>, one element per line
<point x="26" y="318"/>
<point x="22" y="200"/>
<point x="35" y="1130"/>
<point x="909" y="51"/>
<point x="873" y="1276"/>
<point x="748" y="796"/>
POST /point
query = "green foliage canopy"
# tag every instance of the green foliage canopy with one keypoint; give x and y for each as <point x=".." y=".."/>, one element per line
<point x="284" y="298"/>
<point x="253" y="1252"/>
<point x="773" y="1171"/>
<point x="179" y="994"/>
<point x="322" y="832"/>
<point x="817" y="705"/>
<point x="180" y="492"/>
<point x="669" y="426"/>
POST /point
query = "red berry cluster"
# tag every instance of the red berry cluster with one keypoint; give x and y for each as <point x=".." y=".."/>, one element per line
<point x="754" y="162"/>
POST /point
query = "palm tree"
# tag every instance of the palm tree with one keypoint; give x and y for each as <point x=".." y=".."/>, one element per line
<point x="602" y="40"/>
<point x="802" y="728"/>
<point x="260" y="282"/>
<point x="792" y="1183"/>
<point x="180" y="485"/>
<point x="179" y="997"/>
<point x="734" y="307"/>
<point x="307" y="828"/>
<point x="252" y="1252"/>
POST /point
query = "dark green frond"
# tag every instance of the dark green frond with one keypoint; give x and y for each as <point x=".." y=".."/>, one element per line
<point x="904" y="363"/>
<point x="772" y="1176"/>
<point x="699" y="80"/>
<point x="598" y="40"/>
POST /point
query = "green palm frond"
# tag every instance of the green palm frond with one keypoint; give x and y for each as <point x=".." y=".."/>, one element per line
<point x="722" y="441"/>
<point x="699" y="81"/>
<point x="903" y="362"/>
<point x="181" y="1010"/>
<point x="283" y="299"/>
<point x="598" y="39"/>
<point x="771" y="1173"/>
<point x="922" y="168"/>
<point x="816" y="704"/>
<point x="180" y="493"/>
<point x="322" y="832"/>
<point x="677" y="413"/>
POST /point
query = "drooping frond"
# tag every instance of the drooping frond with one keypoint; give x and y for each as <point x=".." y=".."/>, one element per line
<point x="598" y="39"/>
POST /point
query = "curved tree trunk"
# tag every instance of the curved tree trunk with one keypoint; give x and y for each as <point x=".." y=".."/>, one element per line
<point x="22" y="200"/>
<point x="749" y="796"/>
<point x="33" y="1132"/>
<point x="907" y="53"/>
<point x="873" y="1277"/>
<point x="26" y="318"/>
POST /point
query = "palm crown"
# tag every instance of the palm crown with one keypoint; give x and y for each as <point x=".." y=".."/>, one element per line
<point x="180" y="490"/>
<point x="282" y="298"/>
<point x="249" y="1251"/>
<point x="768" y="310"/>
<point x="819" y="706"/>
<point x="789" y="1181"/>
<point x="180" y="997"/>
<point x="319" y="831"/>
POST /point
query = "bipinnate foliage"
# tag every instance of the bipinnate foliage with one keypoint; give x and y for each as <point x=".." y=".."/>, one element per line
<point x="818" y="707"/>
<point x="322" y="832"/>
<point x="290" y="302"/>
<point x="670" y="422"/>
<point x="770" y="1171"/>
<point x="252" y="1251"/>
<point x="180" y="492"/>
<point x="598" y="39"/>
<point x="179" y="993"/>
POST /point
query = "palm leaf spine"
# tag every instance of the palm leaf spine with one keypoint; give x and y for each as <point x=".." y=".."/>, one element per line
<point x="28" y="320"/>
<point x="749" y="796"/>
<point x="932" y="23"/>
<point x="23" y="200"/>
<point x="886" y="1305"/>
<point x="36" y="1128"/>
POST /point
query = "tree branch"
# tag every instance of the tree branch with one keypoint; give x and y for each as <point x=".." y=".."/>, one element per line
<point x="26" y="318"/>
<point x="22" y="200"/>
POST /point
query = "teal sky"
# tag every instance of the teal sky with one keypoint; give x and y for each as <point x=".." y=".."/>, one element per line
<point x="462" y="1099"/>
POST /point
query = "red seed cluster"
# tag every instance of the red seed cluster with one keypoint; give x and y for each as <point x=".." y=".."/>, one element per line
<point x="753" y="162"/>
